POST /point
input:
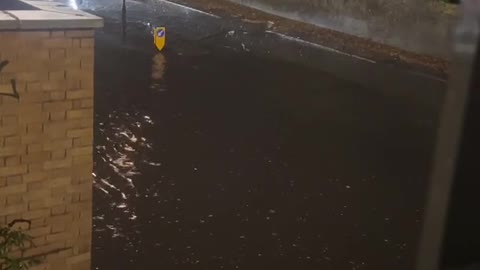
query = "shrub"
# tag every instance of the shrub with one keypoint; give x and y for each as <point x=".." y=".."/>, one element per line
<point x="12" y="240"/>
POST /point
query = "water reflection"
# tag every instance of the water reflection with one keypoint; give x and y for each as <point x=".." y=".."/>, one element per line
<point x="126" y="172"/>
<point x="122" y="147"/>
<point x="158" y="70"/>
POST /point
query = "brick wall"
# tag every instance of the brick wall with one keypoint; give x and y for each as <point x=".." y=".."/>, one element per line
<point x="46" y="136"/>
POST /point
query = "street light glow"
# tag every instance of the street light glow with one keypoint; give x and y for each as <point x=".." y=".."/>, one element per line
<point x="73" y="4"/>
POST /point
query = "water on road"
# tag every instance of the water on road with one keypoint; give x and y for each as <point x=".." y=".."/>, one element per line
<point x="212" y="155"/>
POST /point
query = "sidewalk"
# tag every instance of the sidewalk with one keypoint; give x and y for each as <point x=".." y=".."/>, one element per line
<point x="325" y="37"/>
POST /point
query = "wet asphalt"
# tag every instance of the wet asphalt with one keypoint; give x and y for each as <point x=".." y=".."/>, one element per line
<point x="241" y="148"/>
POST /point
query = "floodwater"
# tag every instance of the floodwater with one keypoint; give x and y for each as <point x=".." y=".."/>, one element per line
<point x="211" y="156"/>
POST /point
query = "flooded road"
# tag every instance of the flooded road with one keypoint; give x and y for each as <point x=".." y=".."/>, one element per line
<point x="214" y="155"/>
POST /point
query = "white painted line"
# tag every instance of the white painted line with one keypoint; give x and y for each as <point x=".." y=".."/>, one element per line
<point x="315" y="45"/>
<point x="191" y="9"/>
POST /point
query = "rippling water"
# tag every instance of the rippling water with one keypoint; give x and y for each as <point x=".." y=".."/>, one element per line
<point x="222" y="160"/>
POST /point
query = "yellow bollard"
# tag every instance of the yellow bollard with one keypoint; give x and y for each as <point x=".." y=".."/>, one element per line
<point x="159" y="37"/>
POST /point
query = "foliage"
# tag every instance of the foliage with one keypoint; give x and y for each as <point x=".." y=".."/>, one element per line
<point x="10" y="241"/>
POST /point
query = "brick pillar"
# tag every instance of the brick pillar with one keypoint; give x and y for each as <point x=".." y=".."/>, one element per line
<point x="46" y="137"/>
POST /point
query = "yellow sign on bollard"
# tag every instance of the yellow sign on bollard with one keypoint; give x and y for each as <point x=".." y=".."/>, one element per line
<point x="159" y="37"/>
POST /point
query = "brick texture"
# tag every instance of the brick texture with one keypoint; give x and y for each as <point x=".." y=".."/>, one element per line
<point x="46" y="138"/>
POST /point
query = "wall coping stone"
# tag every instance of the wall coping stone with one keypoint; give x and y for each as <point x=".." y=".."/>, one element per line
<point x="47" y="15"/>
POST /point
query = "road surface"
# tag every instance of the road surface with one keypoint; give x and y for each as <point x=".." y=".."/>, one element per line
<point x="242" y="148"/>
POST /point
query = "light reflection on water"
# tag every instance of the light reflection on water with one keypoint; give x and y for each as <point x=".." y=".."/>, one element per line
<point x="119" y="155"/>
<point x="122" y="150"/>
